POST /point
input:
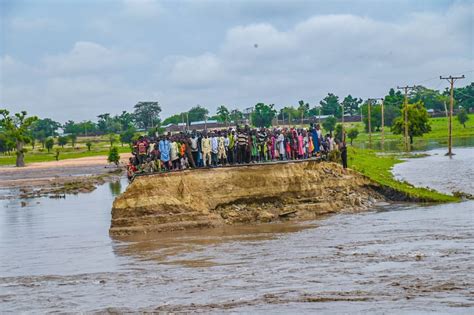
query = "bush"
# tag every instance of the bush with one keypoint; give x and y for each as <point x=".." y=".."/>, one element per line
<point x="62" y="141"/>
<point x="352" y="134"/>
<point x="114" y="156"/>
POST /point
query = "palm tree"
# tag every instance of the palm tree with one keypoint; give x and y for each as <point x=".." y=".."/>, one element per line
<point x="303" y="108"/>
<point x="223" y="113"/>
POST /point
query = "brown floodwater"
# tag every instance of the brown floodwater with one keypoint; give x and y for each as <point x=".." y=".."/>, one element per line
<point x="56" y="256"/>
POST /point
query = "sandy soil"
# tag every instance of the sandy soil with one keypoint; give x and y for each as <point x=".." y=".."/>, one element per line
<point x="46" y="173"/>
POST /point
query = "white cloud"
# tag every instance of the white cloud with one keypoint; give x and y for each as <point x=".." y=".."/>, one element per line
<point x="330" y="53"/>
<point x="339" y="53"/>
<point x="88" y="57"/>
<point x="196" y="72"/>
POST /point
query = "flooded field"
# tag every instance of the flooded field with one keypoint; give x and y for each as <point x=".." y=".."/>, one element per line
<point x="56" y="255"/>
<point x="440" y="172"/>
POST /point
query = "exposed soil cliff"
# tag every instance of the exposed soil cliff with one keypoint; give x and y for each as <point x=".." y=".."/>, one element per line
<point x="260" y="193"/>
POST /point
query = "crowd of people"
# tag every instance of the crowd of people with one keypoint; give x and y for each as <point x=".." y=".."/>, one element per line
<point x="241" y="145"/>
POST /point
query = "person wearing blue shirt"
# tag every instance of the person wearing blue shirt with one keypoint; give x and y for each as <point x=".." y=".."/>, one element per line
<point x="165" y="147"/>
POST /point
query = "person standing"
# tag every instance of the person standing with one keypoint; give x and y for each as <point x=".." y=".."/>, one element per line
<point x="165" y="147"/>
<point x="281" y="146"/>
<point x="193" y="143"/>
<point x="214" y="148"/>
<point x="189" y="151"/>
<point x="221" y="150"/>
<point x="231" y="151"/>
<point x="343" y="149"/>
<point x="206" y="150"/>
<point x="242" y="142"/>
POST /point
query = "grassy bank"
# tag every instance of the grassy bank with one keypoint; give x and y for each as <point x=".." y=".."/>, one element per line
<point x="439" y="131"/>
<point x="100" y="146"/>
<point x="378" y="168"/>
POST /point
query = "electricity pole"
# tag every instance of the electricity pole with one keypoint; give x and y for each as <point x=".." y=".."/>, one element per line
<point x="342" y="121"/>
<point x="383" y="125"/>
<point x="369" y="121"/>
<point x="405" y="106"/>
<point x="451" y="81"/>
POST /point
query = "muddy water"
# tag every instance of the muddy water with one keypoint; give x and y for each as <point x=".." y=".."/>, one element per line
<point x="56" y="255"/>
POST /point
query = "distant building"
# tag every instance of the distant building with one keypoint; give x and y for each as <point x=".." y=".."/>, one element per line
<point x="198" y="126"/>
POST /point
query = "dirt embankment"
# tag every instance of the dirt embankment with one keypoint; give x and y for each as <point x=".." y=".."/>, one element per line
<point x="260" y="193"/>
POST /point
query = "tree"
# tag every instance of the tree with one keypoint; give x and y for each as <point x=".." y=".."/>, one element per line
<point x="303" y="109"/>
<point x="88" y="145"/>
<point x="41" y="129"/>
<point x="175" y="119"/>
<point x="432" y="99"/>
<point x="49" y="143"/>
<point x="418" y="121"/>
<point x="288" y="113"/>
<point x="62" y="141"/>
<point x="112" y="138"/>
<point x="352" y="134"/>
<point x="464" y="96"/>
<point x="329" y="124"/>
<point x="6" y="144"/>
<point x="394" y="98"/>
<point x="462" y="117"/>
<point x="223" y="114"/>
<point x="73" y="138"/>
<point x="126" y="120"/>
<point x="330" y="105"/>
<point x="127" y="136"/>
<point x="86" y="128"/>
<point x="16" y="128"/>
<point x="147" y="114"/>
<point x="114" y="156"/>
<point x="263" y="115"/>
<point x="375" y="116"/>
<point x="338" y="132"/>
<point x="40" y="136"/>
<point x="197" y="113"/>
<point x="70" y="127"/>
<point x="103" y="122"/>
<point x="351" y="105"/>
<point x="236" y="116"/>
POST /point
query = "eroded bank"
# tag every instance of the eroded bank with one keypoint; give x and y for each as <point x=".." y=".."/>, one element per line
<point x="246" y="194"/>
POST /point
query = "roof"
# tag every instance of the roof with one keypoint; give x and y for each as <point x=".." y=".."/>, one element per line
<point x="202" y="122"/>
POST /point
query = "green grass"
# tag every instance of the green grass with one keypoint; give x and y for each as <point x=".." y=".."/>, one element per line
<point x="439" y="131"/>
<point x="378" y="168"/>
<point x="100" y="146"/>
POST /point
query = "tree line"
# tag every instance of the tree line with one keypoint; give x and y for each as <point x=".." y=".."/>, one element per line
<point x="18" y="129"/>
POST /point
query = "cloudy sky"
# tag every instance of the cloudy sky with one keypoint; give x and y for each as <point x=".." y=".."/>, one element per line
<point x="79" y="58"/>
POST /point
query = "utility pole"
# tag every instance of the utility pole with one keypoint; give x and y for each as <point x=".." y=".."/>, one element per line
<point x="342" y="121"/>
<point x="405" y="106"/>
<point x="451" y="81"/>
<point x="369" y="118"/>
<point x="383" y="125"/>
